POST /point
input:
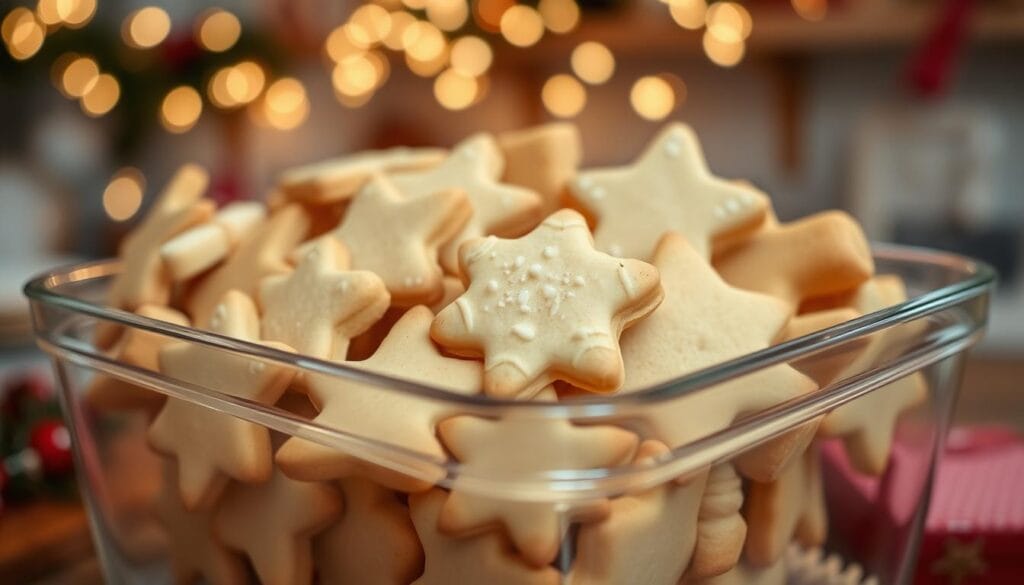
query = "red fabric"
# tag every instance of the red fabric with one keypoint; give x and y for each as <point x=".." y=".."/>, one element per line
<point x="932" y="65"/>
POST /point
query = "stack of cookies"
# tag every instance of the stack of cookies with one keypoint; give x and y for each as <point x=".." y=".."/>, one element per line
<point x="496" y="269"/>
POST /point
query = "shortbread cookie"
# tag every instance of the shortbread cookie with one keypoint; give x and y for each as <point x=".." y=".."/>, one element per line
<point x="704" y="321"/>
<point x="274" y="523"/>
<point x="720" y="527"/>
<point x="374" y="543"/>
<point x="867" y="424"/>
<point x="819" y="255"/>
<point x="648" y="537"/>
<point x="483" y="558"/>
<point x="140" y="349"/>
<point x="518" y="445"/>
<point x="824" y="367"/>
<point x="474" y="167"/>
<point x="263" y="253"/>
<point x="545" y="307"/>
<point x="744" y="574"/>
<point x="791" y="507"/>
<point x="335" y="180"/>
<point x="544" y="159"/>
<point x="318" y="307"/>
<point x="391" y="416"/>
<point x="209" y="446"/>
<point x="669" y="188"/>
<point x="197" y="249"/>
<point x="398" y="237"/>
<point x="194" y="551"/>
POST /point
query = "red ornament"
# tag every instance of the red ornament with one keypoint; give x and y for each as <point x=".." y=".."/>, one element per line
<point x="20" y="391"/>
<point x="51" y="440"/>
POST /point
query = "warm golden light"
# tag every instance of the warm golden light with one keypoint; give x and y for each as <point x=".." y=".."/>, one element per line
<point x="722" y="53"/>
<point x="180" y="109"/>
<point x="471" y="56"/>
<point x="678" y="87"/>
<point x="218" y="30"/>
<point x="448" y="15"/>
<point x="354" y="76"/>
<point x="593" y="62"/>
<point x="455" y="91"/>
<point x="560" y="16"/>
<point x="368" y="25"/>
<point x="217" y="89"/>
<point x="50" y="11"/>
<point x="146" y="27"/>
<point x="339" y="46"/>
<point x="522" y="26"/>
<point x="123" y="195"/>
<point x="79" y="77"/>
<point x="813" y="10"/>
<point x="400" y="20"/>
<point x="428" y="68"/>
<point x="22" y="33"/>
<point x="729" y="22"/>
<point x="423" y="41"/>
<point x="652" y="97"/>
<point x="353" y="101"/>
<point x="102" y="97"/>
<point x="415" y="4"/>
<point x="76" y="13"/>
<point x="488" y="13"/>
<point x="285" y="105"/>
<point x="563" y="96"/>
<point x="688" y="14"/>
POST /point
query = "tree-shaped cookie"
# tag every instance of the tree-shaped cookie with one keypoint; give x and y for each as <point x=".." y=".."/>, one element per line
<point x="318" y="307"/>
<point x="387" y="415"/>
<point x="519" y="445"/>
<point x="542" y="158"/>
<point x="337" y="180"/>
<point x="669" y="188"/>
<point x="704" y="321"/>
<point x="819" y="255"/>
<point x="483" y="558"/>
<point x="209" y="446"/>
<point x="274" y="523"/>
<point x="474" y="166"/>
<point x="546" y="307"/>
<point x="374" y="543"/>
<point x="262" y="253"/>
<point x="398" y="237"/>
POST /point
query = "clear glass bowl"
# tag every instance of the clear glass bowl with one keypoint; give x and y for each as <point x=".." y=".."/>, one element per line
<point x="874" y="519"/>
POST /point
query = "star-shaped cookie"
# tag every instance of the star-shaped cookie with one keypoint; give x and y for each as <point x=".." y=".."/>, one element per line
<point x="474" y="166"/>
<point x="210" y="446"/>
<point x="704" y="321"/>
<point x="398" y="237"/>
<point x="669" y="188"/>
<point x="318" y="307"/>
<point x="337" y="180"/>
<point x="484" y="558"/>
<point x="143" y="278"/>
<point x="138" y="348"/>
<point x="193" y="549"/>
<point x="386" y="415"/>
<point x="263" y="253"/>
<point x="521" y="445"/>
<point x="543" y="158"/>
<point x="818" y="255"/>
<point x="197" y="249"/>
<point x="274" y="523"/>
<point x="868" y="423"/>
<point x="374" y="543"/>
<point x="546" y="307"/>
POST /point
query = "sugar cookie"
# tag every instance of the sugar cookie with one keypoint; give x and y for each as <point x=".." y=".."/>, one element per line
<point x="793" y="506"/>
<point x="474" y="166"/>
<point x="744" y="574"/>
<point x="209" y="446"/>
<point x="140" y="349"/>
<point x="335" y="180"/>
<point x="704" y="321"/>
<point x="387" y="415"/>
<point x="542" y="158"/>
<point x="197" y="249"/>
<point x="194" y="550"/>
<point x="374" y="543"/>
<point x="822" y="254"/>
<point x="318" y="307"/>
<point x="263" y="253"/>
<point x="523" y="445"/>
<point x="721" y="529"/>
<point x="398" y="237"/>
<point x="274" y="523"/>
<point x="484" y="558"/>
<point x="546" y="306"/>
<point x="824" y="367"/>
<point x="669" y="188"/>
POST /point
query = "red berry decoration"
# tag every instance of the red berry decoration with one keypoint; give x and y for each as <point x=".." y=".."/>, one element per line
<point x="51" y="441"/>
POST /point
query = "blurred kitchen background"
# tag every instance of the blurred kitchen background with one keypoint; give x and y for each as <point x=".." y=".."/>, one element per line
<point x="909" y="113"/>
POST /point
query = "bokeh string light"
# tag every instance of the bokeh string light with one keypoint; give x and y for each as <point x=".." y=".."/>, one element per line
<point x="217" y="30"/>
<point x="652" y="98"/>
<point x="471" y="56"/>
<point x="102" y="97"/>
<point x="22" y="33"/>
<point x="454" y="90"/>
<point x="146" y="28"/>
<point x="284" y="106"/>
<point x="123" y="196"/>
<point x="522" y="26"/>
<point x="593" y="62"/>
<point x="812" y="10"/>
<point x="564" y="96"/>
<point x="180" y="109"/>
<point x="688" y="14"/>
<point x="560" y="16"/>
